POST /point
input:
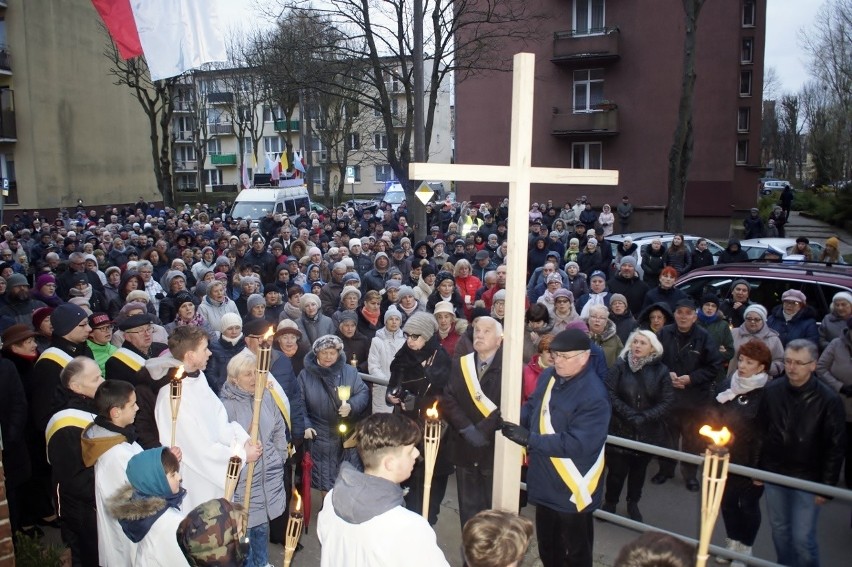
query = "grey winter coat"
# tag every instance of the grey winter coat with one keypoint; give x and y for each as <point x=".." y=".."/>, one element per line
<point x="321" y="415"/>
<point x="268" y="495"/>
<point x="312" y="329"/>
<point x="835" y="368"/>
<point x="832" y="327"/>
<point x="768" y="337"/>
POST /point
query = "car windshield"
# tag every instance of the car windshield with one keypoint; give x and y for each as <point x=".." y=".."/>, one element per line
<point x="394" y="197"/>
<point x="246" y="209"/>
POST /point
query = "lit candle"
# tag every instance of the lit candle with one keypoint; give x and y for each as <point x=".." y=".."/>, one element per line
<point x="431" y="444"/>
<point x="713" y="486"/>
<point x="344" y="393"/>
<point x="294" y="527"/>
<point x="175" y="393"/>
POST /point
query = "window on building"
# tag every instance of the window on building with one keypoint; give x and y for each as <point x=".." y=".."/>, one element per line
<point x="589" y="17"/>
<point x="747" y="51"/>
<point x="745" y="83"/>
<point x="744" y="119"/>
<point x="353" y="141"/>
<point x="742" y="152"/>
<point x="184" y="124"/>
<point x="248" y="146"/>
<point x="588" y="89"/>
<point x="273" y="144"/>
<point x="586" y="155"/>
<point x="185" y="152"/>
<point x="384" y="173"/>
<point x="245" y="114"/>
<point x="380" y="141"/>
<point x="319" y="175"/>
<point x="214" y="148"/>
<point x="749" y="13"/>
<point x="395" y="106"/>
<point x="357" y="170"/>
<point x="213" y="176"/>
<point x="269" y="115"/>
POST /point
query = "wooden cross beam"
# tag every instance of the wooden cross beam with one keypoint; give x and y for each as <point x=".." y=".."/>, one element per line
<point x="519" y="174"/>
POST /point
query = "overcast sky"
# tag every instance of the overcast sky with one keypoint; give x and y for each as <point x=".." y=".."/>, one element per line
<point x="784" y="20"/>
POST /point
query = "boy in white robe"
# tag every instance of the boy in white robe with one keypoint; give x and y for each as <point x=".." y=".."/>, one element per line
<point x="206" y="438"/>
<point x="108" y="444"/>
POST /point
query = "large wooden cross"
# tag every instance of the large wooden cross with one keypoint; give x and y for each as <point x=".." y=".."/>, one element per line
<point x="519" y="174"/>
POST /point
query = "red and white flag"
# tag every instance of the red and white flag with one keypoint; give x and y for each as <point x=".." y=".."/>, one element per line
<point x="174" y="35"/>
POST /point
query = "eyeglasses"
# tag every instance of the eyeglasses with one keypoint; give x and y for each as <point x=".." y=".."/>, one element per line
<point x="562" y="301"/>
<point x="413" y="336"/>
<point x="599" y="317"/>
<point x="753" y="319"/>
<point x="565" y="355"/>
<point x="800" y="363"/>
<point x="147" y="330"/>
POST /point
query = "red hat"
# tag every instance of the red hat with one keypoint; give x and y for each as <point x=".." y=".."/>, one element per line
<point x="40" y="314"/>
<point x="99" y="320"/>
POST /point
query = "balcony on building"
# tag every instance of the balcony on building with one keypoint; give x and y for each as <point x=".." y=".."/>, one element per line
<point x="5" y="60"/>
<point x="184" y="137"/>
<point x="284" y="125"/>
<point x="223" y="159"/>
<point x="220" y="98"/>
<point x="574" y="49"/>
<point x="221" y="129"/>
<point x="8" y="128"/>
<point x="182" y="165"/>
<point x="602" y="123"/>
<point x="228" y="187"/>
<point x="183" y="106"/>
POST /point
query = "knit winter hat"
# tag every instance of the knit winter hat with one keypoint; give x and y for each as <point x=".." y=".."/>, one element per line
<point x="350" y="277"/>
<point x="501" y="295"/>
<point x="309" y="298"/>
<point x="842" y="296"/>
<point x="420" y="323"/>
<point x="629" y="260"/>
<point x="705" y="299"/>
<point x="65" y="317"/>
<point x="288" y="326"/>
<point x="17" y="279"/>
<point x="39" y="315"/>
<point x="138" y="295"/>
<point x="223" y="261"/>
<point x="392" y="312"/>
<point x="554" y="277"/>
<point x="833" y="241"/>
<point x="405" y="291"/>
<point x="254" y="300"/>
<point x="347" y="315"/>
<point x="44" y="279"/>
<point x="562" y="292"/>
<point x="327" y="341"/>
<point x="572" y="264"/>
<point x="392" y="284"/>
<point x="758" y="309"/>
<point x="230" y="320"/>
<point x="184" y="297"/>
<point x="617" y="297"/>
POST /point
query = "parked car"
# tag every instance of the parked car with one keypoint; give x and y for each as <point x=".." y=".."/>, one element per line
<point x="768" y="282"/>
<point x="755" y="247"/>
<point x="643" y="240"/>
<point x="773" y="185"/>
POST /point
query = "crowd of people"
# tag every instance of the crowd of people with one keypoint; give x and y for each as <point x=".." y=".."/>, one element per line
<point x="100" y="312"/>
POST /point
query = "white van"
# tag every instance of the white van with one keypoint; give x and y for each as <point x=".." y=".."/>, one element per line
<point x="255" y="203"/>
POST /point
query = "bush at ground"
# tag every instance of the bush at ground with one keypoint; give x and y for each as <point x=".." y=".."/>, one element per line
<point x="833" y="208"/>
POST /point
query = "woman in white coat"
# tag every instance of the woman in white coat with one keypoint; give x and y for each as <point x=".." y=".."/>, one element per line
<point x="387" y="341"/>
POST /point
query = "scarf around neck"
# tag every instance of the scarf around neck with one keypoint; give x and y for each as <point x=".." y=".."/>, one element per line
<point x="740" y="386"/>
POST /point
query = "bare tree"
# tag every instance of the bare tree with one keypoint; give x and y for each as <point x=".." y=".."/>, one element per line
<point x="680" y="155"/>
<point x="156" y="100"/>
<point x="771" y="84"/>
<point x="460" y="37"/>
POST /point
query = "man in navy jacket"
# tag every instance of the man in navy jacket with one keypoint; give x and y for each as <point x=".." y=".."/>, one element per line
<point x="564" y="427"/>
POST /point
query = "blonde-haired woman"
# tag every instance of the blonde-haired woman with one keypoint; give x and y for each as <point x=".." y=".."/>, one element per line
<point x="268" y="496"/>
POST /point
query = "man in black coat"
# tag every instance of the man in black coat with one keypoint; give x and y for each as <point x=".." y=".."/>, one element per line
<point x="628" y="283"/>
<point x="693" y="360"/>
<point x="804" y="437"/>
<point x="73" y="481"/>
<point x="474" y="419"/>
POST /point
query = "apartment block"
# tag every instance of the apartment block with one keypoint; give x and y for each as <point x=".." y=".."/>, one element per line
<point x="607" y="88"/>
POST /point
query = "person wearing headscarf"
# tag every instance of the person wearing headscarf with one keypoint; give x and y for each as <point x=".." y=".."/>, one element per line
<point x="445" y="290"/>
<point x="619" y="313"/>
<point x="148" y="508"/>
<point x="325" y="371"/>
<point x="355" y="344"/>
<point x="794" y="318"/>
<point x="714" y="322"/>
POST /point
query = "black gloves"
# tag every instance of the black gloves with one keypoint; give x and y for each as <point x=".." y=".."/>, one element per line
<point x="516" y="433"/>
<point x="846" y="390"/>
<point x="490" y="424"/>
<point x="474" y="436"/>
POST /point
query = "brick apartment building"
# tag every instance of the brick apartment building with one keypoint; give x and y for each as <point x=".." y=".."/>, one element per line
<point x="608" y="80"/>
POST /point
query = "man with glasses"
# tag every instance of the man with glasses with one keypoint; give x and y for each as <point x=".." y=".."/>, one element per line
<point x="804" y="437"/>
<point x="138" y="346"/>
<point x="564" y="424"/>
<point x="76" y="264"/>
<point x="471" y="405"/>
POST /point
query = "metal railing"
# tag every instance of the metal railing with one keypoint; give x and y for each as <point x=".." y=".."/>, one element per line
<point x="756" y="474"/>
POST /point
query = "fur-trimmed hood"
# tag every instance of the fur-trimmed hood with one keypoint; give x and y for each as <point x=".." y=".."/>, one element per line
<point x="124" y="507"/>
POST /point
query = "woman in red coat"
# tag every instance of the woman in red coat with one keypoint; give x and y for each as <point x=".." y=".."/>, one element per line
<point x="539" y="361"/>
<point x="467" y="284"/>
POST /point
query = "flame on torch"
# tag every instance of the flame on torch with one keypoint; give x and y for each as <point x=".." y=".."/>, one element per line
<point x="179" y="373"/>
<point x="268" y="335"/>
<point x="432" y="413"/>
<point x="296" y="502"/>
<point x="720" y="438"/>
